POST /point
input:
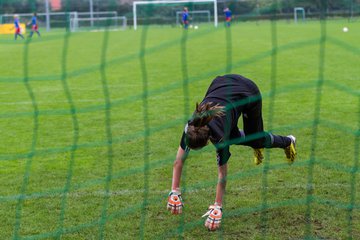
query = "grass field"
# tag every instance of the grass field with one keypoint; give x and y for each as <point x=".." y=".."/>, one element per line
<point x="90" y="124"/>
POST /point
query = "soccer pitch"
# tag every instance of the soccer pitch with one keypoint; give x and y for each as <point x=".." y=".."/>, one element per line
<point x="90" y="124"/>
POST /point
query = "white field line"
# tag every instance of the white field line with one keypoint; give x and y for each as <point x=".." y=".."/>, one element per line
<point x="130" y="192"/>
<point x="88" y="89"/>
<point x="96" y="100"/>
<point x="50" y="102"/>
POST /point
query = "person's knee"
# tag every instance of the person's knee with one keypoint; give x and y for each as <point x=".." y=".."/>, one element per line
<point x="263" y="141"/>
<point x="258" y="143"/>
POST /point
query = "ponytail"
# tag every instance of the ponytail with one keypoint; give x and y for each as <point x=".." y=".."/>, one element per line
<point x="204" y="113"/>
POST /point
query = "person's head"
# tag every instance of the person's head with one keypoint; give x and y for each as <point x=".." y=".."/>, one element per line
<point x="35" y="14"/>
<point x="185" y="9"/>
<point x="197" y="132"/>
<point x="16" y="16"/>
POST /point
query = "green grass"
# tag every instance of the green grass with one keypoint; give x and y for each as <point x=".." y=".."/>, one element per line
<point x="55" y="166"/>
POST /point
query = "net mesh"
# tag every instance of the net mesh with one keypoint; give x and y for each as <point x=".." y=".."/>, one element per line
<point x="85" y="150"/>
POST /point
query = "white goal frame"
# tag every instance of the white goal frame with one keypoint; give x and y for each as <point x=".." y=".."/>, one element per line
<point x="296" y="10"/>
<point x="74" y="23"/>
<point x="29" y="15"/>
<point x="135" y="3"/>
<point x="73" y="17"/>
<point x="178" y="15"/>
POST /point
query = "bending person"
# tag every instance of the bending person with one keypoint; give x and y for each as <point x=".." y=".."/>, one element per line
<point x="215" y="119"/>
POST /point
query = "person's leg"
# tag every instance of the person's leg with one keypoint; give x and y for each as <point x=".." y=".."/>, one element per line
<point x="254" y="127"/>
<point x="228" y="22"/>
<point x="36" y="29"/>
<point x="18" y="34"/>
<point x="254" y="130"/>
<point x="258" y="139"/>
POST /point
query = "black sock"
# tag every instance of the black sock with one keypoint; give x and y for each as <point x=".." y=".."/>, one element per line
<point x="279" y="141"/>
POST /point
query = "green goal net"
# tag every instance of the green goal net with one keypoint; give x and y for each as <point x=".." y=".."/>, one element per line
<point x="91" y="121"/>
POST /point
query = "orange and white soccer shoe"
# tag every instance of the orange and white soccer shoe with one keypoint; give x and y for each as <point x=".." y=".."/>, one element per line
<point x="175" y="202"/>
<point x="213" y="220"/>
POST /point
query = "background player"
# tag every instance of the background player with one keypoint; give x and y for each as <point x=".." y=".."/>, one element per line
<point x="185" y="18"/>
<point x="228" y="14"/>
<point x="17" y="27"/>
<point x="216" y="119"/>
<point x="34" y="25"/>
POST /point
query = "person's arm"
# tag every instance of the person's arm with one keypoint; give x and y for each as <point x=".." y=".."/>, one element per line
<point x="175" y="203"/>
<point x="221" y="185"/>
<point x="177" y="169"/>
<point x="214" y="214"/>
<point x="223" y="155"/>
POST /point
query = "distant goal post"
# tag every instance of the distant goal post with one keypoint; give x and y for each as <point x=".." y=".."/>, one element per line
<point x="300" y="10"/>
<point x="98" y="23"/>
<point x="136" y="3"/>
<point x="66" y="19"/>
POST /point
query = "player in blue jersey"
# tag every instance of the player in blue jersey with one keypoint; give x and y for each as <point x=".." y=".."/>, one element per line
<point x="17" y="27"/>
<point x="34" y="26"/>
<point x="215" y="120"/>
<point x="185" y="18"/>
<point x="228" y="15"/>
